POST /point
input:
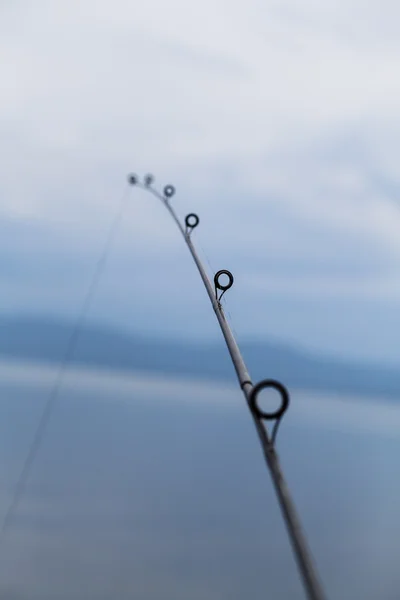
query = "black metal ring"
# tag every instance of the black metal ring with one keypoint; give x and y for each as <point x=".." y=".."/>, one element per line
<point x="195" y="222"/>
<point x="220" y="286"/>
<point x="269" y="383"/>
<point x="169" y="191"/>
<point x="148" y="180"/>
<point x="132" y="179"/>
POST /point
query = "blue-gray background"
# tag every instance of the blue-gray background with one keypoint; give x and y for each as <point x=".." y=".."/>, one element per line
<point x="278" y="124"/>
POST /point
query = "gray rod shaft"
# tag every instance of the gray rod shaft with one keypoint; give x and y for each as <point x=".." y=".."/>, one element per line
<point x="302" y="553"/>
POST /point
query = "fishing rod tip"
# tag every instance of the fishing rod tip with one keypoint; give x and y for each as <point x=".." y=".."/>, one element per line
<point x="132" y="179"/>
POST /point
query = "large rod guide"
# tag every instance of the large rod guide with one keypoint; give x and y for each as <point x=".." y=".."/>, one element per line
<point x="312" y="585"/>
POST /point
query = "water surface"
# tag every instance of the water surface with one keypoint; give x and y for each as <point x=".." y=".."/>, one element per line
<point x="156" y="489"/>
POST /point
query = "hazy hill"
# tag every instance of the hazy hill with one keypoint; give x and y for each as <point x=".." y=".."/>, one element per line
<point x="38" y="338"/>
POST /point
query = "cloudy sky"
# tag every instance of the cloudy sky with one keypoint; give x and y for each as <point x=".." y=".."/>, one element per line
<point x="276" y="121"/>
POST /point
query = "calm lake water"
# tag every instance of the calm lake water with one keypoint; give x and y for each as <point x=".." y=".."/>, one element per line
<point x="156" y="489"/>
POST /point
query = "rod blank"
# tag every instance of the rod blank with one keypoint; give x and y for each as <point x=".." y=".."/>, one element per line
<point x="302" y="553"/>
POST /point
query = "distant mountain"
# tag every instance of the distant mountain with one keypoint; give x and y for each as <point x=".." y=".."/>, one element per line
<point x="43" y="339"/>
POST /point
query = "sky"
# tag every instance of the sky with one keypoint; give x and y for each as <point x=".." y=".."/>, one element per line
<point x="277" y="123"/>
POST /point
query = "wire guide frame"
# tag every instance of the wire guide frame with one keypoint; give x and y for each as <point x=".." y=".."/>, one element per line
<point x="312" y="586"/>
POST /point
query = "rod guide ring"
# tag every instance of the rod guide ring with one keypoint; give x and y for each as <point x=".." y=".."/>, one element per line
<point x="132" y="179"/>
<point x="148" y="180"/>
<point x="192" y="220"/>
<point x="169" y="191"/>
<point x="221" y="286"/>
<point x="276" y="385"/>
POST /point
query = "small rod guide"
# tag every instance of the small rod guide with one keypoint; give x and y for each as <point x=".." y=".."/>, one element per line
<point x="302" y="553"/>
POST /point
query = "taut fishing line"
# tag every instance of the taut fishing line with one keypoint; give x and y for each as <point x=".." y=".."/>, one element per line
<point x="40" y="431"/>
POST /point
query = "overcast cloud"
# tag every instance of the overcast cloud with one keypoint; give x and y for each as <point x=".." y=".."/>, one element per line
<point x="277" y="122"/>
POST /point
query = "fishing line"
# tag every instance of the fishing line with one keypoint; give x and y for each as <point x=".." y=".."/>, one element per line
<point x="199" y="245"/>
<point x="55" y="390"/>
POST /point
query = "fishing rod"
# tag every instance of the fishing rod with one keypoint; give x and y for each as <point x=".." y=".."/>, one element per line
<point x="302" y="553"/>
